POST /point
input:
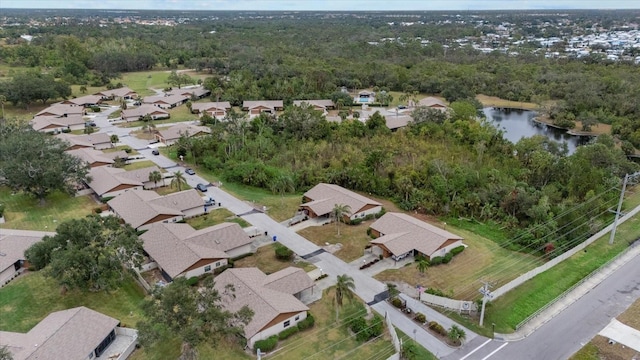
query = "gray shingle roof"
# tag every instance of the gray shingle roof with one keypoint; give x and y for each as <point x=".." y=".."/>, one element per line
<point x="272" y="104"/>
<point x="104" y="179"/>
<point x="139" y="207"/>
<point x="171" y="99"/>
<point x="211" y="106"/>
<point x="92" y="156"/>
<point x="12" y="246"/>
<point x="432" y="102"/>
<point x="58" y="109"/>
<point x="119" y="92"/>
<point x="325" y="196"/>
<point x="142" y="110"/>
<point x="403" y="233"/>
<point x="43" y="121"/>
<point x="198" y="91"/>
<point x="90" y="140"/>
<point x="66" y="334"/>
<point x="174" y="132"/>
<point x="84" y="100"/>
<point x="251" y="291"/>
<point x="317" y="103"/>
<point x="290" y="280"/>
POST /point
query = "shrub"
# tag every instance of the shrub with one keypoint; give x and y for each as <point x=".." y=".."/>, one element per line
<point x="306" y="323"/>
<point x="95" y="109"/>
<point x="104" y="199"/>
<point x="66" y="131"/>
<point x="128" y="150"/>
<point x="284" y="253"/>
<point x="355" y="221"/>
<point x="376" y="327"/>
<point x="457" y="250"/>
<point x="96" y="210"/>
<point x="3" y="207"/>
<point x="290" y="331"/>
<point x="438" y="328"/>
<point x="396" y="302"/>
<point x="267" y="344"/>
<point x="437" y="260"/>
<point x="358" y="324"/>
<point x="436" y="292"/>
<point x="380" y="257"/>
<point x="193" y="281"/>
<point x="421" y="318"/>
<point x="447" y="258"/>
<point x="322" y="277"/>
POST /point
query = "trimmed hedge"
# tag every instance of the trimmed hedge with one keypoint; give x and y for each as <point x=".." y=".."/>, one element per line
<point x="396" y="302"/>
<point x="438" y="328"/>
<point x="267" y="344"/>
<point x="436" y="260"/>
<point x="284" y="253"/>
<point x="290" y="331"/>
<point x="457" y="250"/>
<point x="193" y="281"/>
<point x="420" y="317"/>
<point x="308" y="322"/>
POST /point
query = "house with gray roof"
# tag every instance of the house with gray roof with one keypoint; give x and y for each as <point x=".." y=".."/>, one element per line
<point x="273" y="298"/>
<point x="255" y="108"/>
<point x="320" y="105"/>
<point x="170" y="135"/>
<point x="180" y="250"/>
<point x="62" y="110"/>
<point x="84" y="101"/>
<point x="142" y="208"/>
<point x="56" y="124"/>
<point x="77" y="333"/>
<point x="137" y="113"/>
<point x="119" y="93"/>
<point x="109" y="181"/>
<point x="13" y="243"/>
<point x="198" y="92"/>
<point x="217" y="109"/>
<point x="433" y="103"/>
<point x="95" y="158"/>
<point x="322" y="198"/>
<point x="400" y="235"/>
<point x="166" y="101"/>
<point x="97" y="141"/>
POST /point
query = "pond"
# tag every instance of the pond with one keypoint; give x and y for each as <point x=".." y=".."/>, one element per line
<point x="517" y="124"/>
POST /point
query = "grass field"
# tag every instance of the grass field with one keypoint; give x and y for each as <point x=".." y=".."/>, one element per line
<point x="139" y="165"/>
<point x="24" y="212"/>
<point x="329" y="339"/>
<point x="31" y="297"/>
<point x="141" y="81"/>
<point x="422" y="353"/>
<point x="352" y="237"/>
<point x="215" y="217"/>
<point x="265" y="260"/>
<point x="510" y="309"/>
<point x="498" y="102"/>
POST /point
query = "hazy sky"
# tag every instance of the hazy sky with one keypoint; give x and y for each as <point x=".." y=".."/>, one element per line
<point x="323" y="4"/>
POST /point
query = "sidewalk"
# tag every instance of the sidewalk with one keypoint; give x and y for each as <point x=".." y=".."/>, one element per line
<point x="587" y="285"/>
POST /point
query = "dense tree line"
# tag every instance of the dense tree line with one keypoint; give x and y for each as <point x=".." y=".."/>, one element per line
<point x="452" y="167"/>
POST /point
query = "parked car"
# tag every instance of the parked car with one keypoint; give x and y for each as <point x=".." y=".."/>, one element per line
<point x="201" y="187"/>
<point x="190" y="171"/>
<point x="155" y="152"/>
<point x="402" y="107"/>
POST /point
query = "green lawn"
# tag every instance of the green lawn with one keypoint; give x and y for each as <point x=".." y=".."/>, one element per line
<point x="329" y="339"/>
<point x="215" y="217"/>
<point x="115" y="115"/>
<point x="352" y="237"/>
<point x="139" y="165"/>
<point x="509" y="310"/>
<point x="141" y="81"/>
<point x="31" y="297"/>
<point x="265" y="260"/>
<point x="25" y="212"/>
<point x="422" y="353"/>
<point x="122" y="147"/>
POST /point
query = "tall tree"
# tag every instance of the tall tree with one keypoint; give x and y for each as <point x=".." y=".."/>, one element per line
<point x="178" y="180"/>
<point x="194" y="315"/>
<point x="37" y="163"/>
<point x="338" y="213"/>
<point x="423" y="264"/>
<point x="91" y="253"/>
<point x="281" y="185"/>
<point x="344" y="288"/>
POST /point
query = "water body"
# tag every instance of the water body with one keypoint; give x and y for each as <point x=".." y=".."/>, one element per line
<point x="517" y="124"/>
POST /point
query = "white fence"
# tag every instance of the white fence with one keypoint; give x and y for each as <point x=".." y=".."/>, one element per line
<point x="530" y="274"/>
<point x="394" y="336"/>
<point x="457" y="305"/>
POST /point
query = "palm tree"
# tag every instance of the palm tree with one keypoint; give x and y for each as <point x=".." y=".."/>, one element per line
<point x="178" y="180"/>
<point x="392" y="290"/>
<point x="338" y="213"/>
<point x="423" y="264"/>
<point x="344" y="288"/>
<point x="155" y="176"/>
<point x="83" y="89"/>
<point x="114" y="139"/>
<point x="455" y="333"/>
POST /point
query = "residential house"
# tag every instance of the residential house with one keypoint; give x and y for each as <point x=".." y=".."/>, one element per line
<point x="84" y="101"/>
<point x="320" y="105"/>
<point x="255" y="108"/>
<point x="62" y="110"/>
<point x="56" y="124"/>
<point x="365" y="97"/>
<point x="398" y="121"/>
<point x="166" y="102"/>
<point x="137" y="113"/>
<point x="400" y="235"/>
<point x="170" y="135"/>
<point x="13" y="243"/>
<point x="77" y="333"/>
<point x="97" y="158"/>
<point x="109" y="181"/>
<point x="142" y="208"/>
<point x="273" y="299"/>
<point x="433" y="103"/>
<point x="322" y="199"/>
<point x="119" y="93"/>
<point x="217" y="109"/>
<point x="197" y="92"/>
<point x="180" y="250"/>
<point x="97" y="141"/>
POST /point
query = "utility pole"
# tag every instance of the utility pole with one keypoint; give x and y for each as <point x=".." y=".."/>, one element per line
<point x="624" y="188"/>
<point x="486" y="294"/>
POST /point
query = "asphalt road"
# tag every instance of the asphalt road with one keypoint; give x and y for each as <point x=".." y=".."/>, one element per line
<point x="570" y="330"/>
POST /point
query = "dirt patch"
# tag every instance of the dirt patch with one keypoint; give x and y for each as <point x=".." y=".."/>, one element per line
<point x="613" y="351"/>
